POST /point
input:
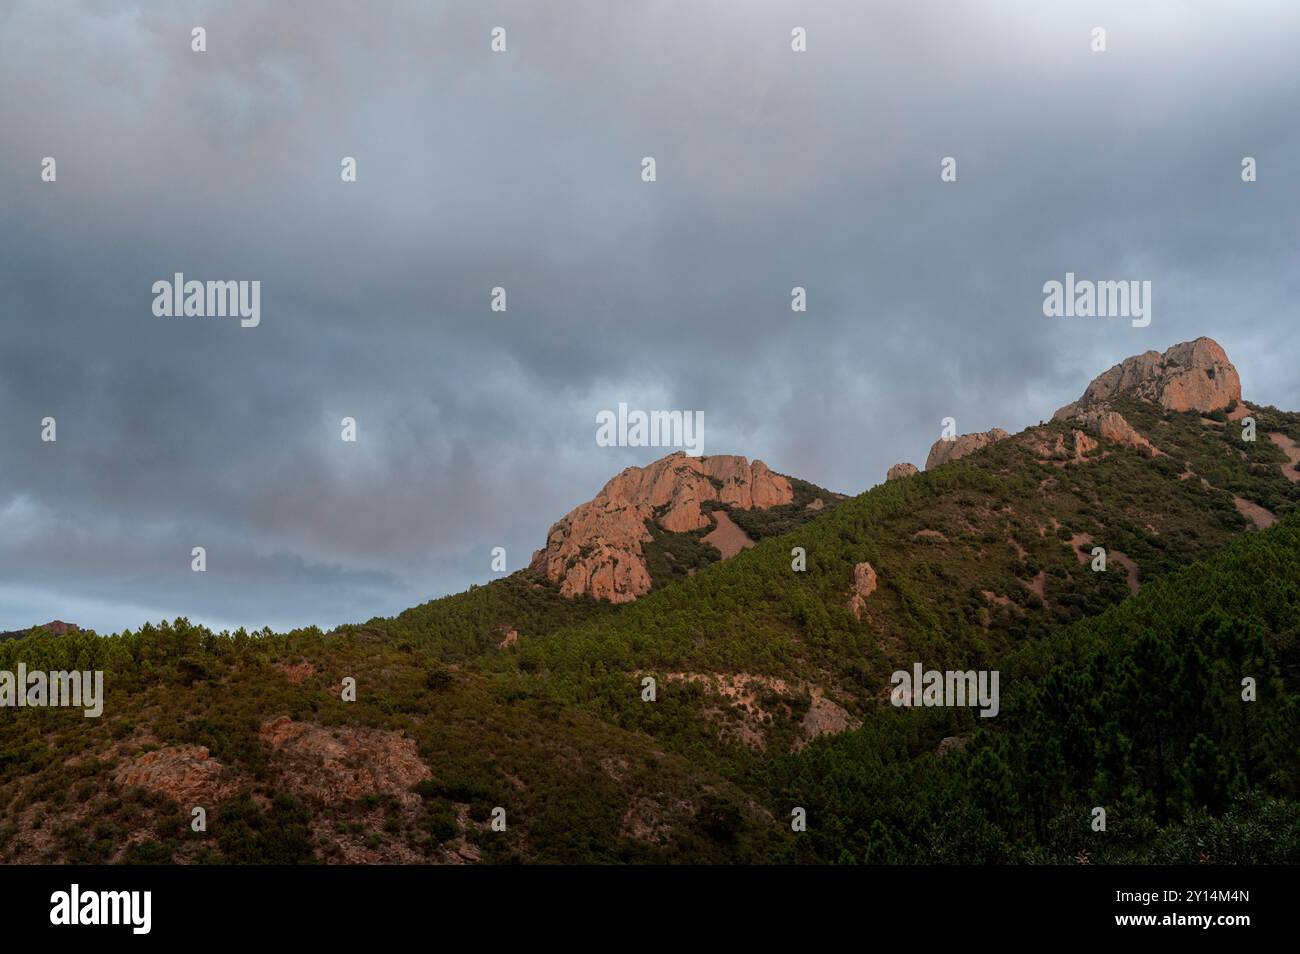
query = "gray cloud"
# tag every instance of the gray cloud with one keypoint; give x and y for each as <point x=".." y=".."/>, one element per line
<point x="522" y="170"/>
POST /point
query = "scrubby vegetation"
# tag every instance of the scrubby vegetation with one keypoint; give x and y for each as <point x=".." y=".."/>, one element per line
<point x="771" y="693"/>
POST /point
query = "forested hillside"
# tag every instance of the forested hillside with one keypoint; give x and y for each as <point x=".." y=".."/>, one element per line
<point x="1121" y="691"/>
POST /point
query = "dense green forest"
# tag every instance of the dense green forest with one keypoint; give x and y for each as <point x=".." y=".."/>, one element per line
<point x="1138" y="711"/>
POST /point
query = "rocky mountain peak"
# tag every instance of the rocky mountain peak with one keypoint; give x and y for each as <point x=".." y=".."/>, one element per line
<point x="597" y="547"/>
<point x="1191" y="376"/>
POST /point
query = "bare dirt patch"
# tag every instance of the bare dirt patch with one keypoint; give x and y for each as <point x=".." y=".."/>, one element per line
<point x="1131" y="568"/>
<point x="1038" y="585"/>
<point x="727" y="537"/>
<point x="1254" y="512"/>
<point x="1292" y="451"/>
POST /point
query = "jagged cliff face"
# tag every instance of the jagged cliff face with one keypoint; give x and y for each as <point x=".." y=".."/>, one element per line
<point x="597" y="547"/>
<point x="1191" y="376"/>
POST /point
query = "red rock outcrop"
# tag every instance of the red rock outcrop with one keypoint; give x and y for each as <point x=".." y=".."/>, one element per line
<point x="864" y="584"/>
<point x="1111" y="426"/>
<point x="899" y="471"/>
<point x="597" y="547"/>
<point x="184" y="773"/>
<point x="949" y="449"/>
<point x="1072" y="449"/>
<point x="1191" y="376"/>
<point x="340" y="763"/>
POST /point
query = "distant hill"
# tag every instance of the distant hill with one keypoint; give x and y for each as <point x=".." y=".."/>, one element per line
<point x="57" y="627"/>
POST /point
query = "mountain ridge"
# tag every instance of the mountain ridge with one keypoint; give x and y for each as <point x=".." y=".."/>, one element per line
<point x="772" y="673"/>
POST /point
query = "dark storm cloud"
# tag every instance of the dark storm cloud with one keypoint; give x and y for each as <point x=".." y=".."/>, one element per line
<point x="522" y="170"/>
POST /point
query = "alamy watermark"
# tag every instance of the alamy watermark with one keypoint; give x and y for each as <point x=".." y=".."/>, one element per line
<point x="38" y="689"/>
<point x="932" y="687"/>
<point x="1088" y="299"/>
<point x="626" y="428"/>
<point x="194" y="299"/>
<point x="75" y="907"/>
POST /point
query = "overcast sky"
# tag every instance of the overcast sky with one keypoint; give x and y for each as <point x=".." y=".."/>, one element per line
<point x="523" y="169"/>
